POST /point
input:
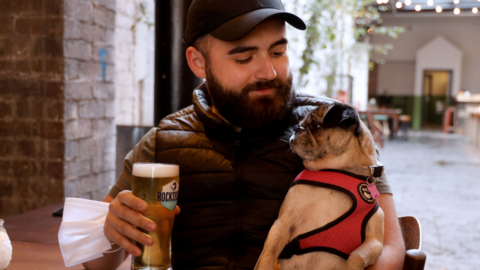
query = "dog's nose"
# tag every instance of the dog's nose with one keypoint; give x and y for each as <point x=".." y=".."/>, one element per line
<point x="298" y="128"/>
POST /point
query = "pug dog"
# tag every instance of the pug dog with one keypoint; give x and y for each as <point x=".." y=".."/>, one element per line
<point x="333" y="221"/>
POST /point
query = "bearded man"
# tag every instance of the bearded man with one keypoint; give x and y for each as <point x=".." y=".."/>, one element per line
<point x="232" y="144"/>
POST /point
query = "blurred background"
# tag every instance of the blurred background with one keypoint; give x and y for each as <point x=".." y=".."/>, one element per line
<point x="81" y="81"/>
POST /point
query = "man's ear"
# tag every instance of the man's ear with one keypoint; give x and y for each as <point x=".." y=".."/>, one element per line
<point x="196" y="62"/>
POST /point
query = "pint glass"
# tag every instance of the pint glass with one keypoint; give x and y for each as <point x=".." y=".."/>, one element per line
<point x="158" y="185"/>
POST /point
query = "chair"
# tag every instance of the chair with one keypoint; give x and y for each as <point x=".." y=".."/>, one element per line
<point x="412" y="236"/>
<point x="404" y="124"/>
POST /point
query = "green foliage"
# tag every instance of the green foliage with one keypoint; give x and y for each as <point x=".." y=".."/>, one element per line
<point x="326" y="31"/>
<point x="143" y="17"/>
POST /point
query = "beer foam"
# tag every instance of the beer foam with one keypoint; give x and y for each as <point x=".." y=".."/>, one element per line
<point x="155" y="170"/>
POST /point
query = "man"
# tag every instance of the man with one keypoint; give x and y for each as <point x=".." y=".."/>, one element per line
<point x="231" y="145"/>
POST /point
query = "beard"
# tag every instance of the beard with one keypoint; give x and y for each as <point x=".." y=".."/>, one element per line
<point x="241" y="110"/>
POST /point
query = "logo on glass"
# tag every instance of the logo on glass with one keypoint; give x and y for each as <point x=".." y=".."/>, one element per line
<point x="169" y="195"/>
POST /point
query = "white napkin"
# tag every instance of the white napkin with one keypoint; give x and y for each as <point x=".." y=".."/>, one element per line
<point x="81" y="234"/>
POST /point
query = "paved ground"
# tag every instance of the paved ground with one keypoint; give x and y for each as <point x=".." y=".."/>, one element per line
<point x="436" y="177"/>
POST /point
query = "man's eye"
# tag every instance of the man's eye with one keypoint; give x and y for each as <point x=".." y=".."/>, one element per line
<point x="278" y="53"/>
<point x="243" y="61"/>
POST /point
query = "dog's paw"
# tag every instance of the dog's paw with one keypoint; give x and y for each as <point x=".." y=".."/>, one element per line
<point x="355" y="263"/>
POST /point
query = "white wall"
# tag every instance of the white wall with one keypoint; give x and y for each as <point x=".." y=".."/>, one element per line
<point x="462" y="32"/>
<point x="396" y="78"/>
<point x="135" y="66"/>
<point x="438" y="54"/>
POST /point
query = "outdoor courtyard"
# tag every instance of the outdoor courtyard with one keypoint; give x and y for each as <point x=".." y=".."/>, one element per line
<point x="436" y="178"/>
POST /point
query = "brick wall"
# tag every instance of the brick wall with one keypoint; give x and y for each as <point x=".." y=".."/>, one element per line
<point x="89" y="38"/>
<point x="134" y="63"/>
<point x="31" y="104"/>
<point x="57" y="130"/>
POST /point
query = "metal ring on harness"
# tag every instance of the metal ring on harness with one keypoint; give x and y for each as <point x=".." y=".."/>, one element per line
<point x="371" y="180"/>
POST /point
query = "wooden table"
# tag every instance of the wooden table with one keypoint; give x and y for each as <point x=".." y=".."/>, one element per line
<point x="390" y="113"/>
<point x="35" y="241"/>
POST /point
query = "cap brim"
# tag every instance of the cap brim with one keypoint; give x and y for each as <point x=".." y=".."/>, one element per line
<point x="240" y="26"/>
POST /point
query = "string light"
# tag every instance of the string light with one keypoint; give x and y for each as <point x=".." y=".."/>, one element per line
<point x="408" y="2"/>
<point x="418" y="7"/>
<point x="439" y="9"/>
<point x="398" y="5"/>
<point x="456" y="11"/>
<point x="456" y="2"/>
<point x="475" y="10"/>
<point x="430" y="2"/>
<point x="379" y="2"/>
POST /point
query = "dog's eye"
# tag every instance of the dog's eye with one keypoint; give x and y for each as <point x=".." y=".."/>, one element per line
<point x="315" y="124"/>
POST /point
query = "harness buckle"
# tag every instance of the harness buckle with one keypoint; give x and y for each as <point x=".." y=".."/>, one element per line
<point x="376" y="171"/>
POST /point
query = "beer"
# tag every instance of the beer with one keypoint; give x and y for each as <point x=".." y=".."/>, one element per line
<point x="158" y="185"/>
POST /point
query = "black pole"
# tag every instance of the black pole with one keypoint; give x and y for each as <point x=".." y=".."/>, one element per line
<point x="174" y="81"/>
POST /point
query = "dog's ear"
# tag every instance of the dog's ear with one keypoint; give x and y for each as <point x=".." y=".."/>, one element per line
<point x="340" y="115"/>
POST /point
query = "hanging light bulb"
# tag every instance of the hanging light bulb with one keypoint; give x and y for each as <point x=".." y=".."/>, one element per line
<point x="418" y="7"/>
<point x="456" y="11"/>
<point x="379" y="2"/>
<point x="408" y="2"/>
<point x="430" y="2"/>
<point x="456" y="2"/>
<point x="386" y="1"/>
<point x="475" y="10"/>
<point x="439" y="9"/>
<point x="398" y="5"/>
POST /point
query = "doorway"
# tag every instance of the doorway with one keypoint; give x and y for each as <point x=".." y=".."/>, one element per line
<point x="437" y="85"/>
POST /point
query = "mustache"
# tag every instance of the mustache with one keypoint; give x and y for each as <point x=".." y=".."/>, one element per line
<point x="263" y="84"/>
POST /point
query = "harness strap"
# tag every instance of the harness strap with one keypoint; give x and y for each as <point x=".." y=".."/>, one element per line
<point x="327" y="237"/>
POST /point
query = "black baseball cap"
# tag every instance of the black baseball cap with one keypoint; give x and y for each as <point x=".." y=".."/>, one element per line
<point x="231" y="20"/>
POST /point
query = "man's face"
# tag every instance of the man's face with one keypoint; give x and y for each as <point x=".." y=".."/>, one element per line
<point x="249" y="80"/>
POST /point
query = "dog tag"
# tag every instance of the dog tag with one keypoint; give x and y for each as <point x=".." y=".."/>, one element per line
<point x="373" y="191"/>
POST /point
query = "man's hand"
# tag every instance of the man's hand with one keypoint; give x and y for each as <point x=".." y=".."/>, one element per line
<point x="125" y="213"/>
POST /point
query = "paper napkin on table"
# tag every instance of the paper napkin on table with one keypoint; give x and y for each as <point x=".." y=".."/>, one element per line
<point x="81" y="235"/>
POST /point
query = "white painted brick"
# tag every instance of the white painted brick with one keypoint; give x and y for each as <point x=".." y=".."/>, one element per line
<point x="125" y="79"/>
<point x="71" y="29"/>
<point x="108" y="57"/>
<point x="73" y="188"/>
<point x="124" y="22"/>
<point x="78" y="129"/>
<point x="110" y="109"/>
<point x="78" y="90"/>
<point x="78" y="49"/>
<point x="71" y="110"/>
<point x="71" y="150"/>
<point x="90" y="71"/>
<point x="71" y="69"/>
<point x="77" y="168"/>
<point x="110" y="37"/>
<point x="104" y="91"/>
<point x="87" y="147"/>
<point x="91" y="109"/>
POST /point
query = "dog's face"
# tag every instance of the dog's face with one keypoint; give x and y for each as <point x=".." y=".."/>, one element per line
<point x="329" y="132"/>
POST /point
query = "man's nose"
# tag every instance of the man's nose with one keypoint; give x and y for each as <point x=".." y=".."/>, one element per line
<point x="266" y="70"/>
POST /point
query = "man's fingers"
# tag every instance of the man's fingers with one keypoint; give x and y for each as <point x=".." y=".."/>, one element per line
<point x="129" y="231"/>
<point x="120" y="240"/>
<point x="177" y="210"/>
<point x="126" y="197"/>
<point x="133" y="217"/>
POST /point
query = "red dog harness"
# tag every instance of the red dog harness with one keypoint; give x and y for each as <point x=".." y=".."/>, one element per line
<point x="345" y="234"/>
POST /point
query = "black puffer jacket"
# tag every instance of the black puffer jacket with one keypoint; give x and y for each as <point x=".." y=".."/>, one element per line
<point x="231" y="184"/>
